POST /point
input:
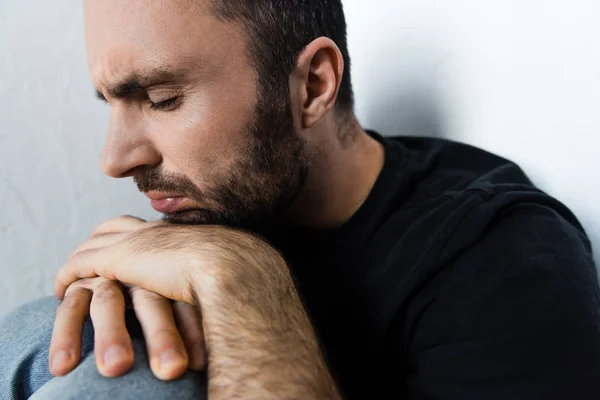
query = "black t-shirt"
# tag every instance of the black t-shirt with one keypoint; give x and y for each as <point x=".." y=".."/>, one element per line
<point x="456" y="279"/>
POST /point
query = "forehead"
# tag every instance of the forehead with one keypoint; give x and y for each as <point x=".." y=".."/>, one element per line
<point x="127" y="37"/>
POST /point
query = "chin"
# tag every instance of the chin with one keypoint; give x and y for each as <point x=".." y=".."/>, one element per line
<point x="199" y="217"/>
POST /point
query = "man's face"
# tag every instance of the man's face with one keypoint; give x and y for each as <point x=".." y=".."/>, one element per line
<point x="188" y="119"/>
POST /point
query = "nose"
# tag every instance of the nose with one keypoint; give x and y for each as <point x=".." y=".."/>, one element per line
<point x="128" y="147"/>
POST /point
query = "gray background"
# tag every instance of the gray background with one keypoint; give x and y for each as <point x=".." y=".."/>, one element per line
<point x="517" y="77"/>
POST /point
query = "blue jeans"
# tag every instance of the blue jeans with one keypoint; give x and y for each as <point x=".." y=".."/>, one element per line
<point x="24" y="343"/>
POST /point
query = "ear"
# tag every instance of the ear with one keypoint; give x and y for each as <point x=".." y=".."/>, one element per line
<point x="316" y="80"/>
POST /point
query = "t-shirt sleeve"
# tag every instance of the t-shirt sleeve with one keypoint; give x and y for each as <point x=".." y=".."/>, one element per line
<point x="515" y="316"/>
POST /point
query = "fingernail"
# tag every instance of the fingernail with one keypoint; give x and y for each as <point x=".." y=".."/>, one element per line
<point x="115" y="355"/>
<point x="169" y="359"/>
<point x="60" y="359"/>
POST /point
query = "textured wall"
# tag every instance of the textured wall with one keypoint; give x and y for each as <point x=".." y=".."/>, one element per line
<point x="52" y="192"/>
<point x="517" y="77"/>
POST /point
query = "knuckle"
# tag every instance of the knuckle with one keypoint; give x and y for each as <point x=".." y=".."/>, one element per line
<point x="85" y="246"/>
<point x="99" y="235"/>
<point x="105" y="290"/>
<point x="127" y="217"/>
<point x="104" y="296"/>
<point x="142" y="295"/>
<point x="91" y="283"/>
<point x="77" y="288"/>
<point x="74" y="254"/>
<point x="75" y="300"/>
<point x="126" y="220"/>
<point x="166" y="334"/>
<point x="115" y="224"/>
<point x="102" y="228"/>
<point x="77" y="258"/>
<point x="79" y="255"/>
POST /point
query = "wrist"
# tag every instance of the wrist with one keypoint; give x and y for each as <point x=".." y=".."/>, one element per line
<point x="252" y="295"/>
<point x="242" y="268"/>
<point x="255" y="326"/>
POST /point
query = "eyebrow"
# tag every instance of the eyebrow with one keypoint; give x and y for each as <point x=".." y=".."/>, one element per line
<point x="136" y="85"/>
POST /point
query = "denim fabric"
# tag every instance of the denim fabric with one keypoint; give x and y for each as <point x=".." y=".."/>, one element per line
<point x="24" y="342"/>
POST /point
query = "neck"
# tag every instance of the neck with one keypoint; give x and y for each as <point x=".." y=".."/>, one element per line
<point x="342" y="174"/>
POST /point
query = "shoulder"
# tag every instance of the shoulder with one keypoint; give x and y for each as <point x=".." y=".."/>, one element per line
<point x="449" y="165"/>
<point x="517" y="307"/>
<point x="453" y="193"/>
<point x="515" y="266"/>
<point x="466" y="209"/>
<point x="532" y="237"/>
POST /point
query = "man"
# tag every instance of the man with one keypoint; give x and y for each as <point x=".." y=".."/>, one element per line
<point x="300" y="256"/>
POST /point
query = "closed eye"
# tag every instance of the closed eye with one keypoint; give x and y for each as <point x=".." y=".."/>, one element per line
<point x="166" y="105"/>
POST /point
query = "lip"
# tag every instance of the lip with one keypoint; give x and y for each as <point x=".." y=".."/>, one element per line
<point x="154" y="195"/>
<point x="167" y="203"/>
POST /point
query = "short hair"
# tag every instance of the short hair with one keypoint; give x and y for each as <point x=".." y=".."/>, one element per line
<point x="280" y="29"/>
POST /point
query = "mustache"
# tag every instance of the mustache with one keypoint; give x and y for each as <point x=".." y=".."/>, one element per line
<point x="157" y="180"/>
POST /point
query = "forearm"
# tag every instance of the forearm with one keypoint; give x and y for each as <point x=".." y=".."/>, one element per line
<point x="261" y="344"/>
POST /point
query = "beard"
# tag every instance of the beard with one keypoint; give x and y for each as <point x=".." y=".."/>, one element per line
<point x="263" y="183"/>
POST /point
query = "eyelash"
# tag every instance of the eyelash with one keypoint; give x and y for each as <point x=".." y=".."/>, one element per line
<point x="164" y="105"/>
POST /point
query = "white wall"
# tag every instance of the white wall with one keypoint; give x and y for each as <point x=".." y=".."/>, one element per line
<point x="518" y="77"/>
<point x="52" y="192"/>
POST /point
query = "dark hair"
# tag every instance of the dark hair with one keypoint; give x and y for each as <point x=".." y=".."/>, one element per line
<point x="280" y="29"/>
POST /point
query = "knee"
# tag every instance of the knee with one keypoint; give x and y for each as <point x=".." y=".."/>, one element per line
<point x="25" y="335"/>
<point x="28" y="329"/>
<point x="86" y="383"/>
<point x="32" y="321"/>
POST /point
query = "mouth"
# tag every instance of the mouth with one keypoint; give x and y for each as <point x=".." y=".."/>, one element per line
<point x="168" y="203"/>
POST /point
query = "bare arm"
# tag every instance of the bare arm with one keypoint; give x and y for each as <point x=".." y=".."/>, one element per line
<point x="260" y="341"/>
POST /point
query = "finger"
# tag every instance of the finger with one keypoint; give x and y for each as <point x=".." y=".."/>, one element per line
<point x="189" y="324"/>
<point x="112" y="345"/>
<point x="85" y="264"/>
<point x="65" y="346"/>
<point x="96" y="243"/>
<point x="166" y="350"/>
<point x="120" y="263"/>
<point x="124" y="223"/>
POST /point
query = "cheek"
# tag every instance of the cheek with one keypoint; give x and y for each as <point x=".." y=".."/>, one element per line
<point x="200" y="140"/>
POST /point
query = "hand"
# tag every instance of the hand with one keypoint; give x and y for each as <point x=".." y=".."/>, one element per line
<point x="260" y="340"/>
<point x="175" y="261"/>
<point x="173" y="331"/>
